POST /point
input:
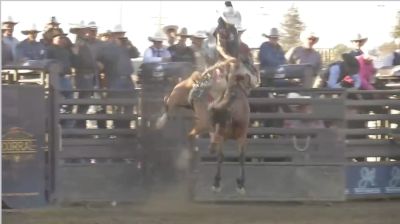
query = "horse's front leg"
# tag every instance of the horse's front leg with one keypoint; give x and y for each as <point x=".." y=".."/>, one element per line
<point x="241" y="180"/>
<point x="217" y="179"/>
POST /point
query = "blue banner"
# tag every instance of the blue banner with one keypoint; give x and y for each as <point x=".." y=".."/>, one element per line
<point x="373" y="180"/>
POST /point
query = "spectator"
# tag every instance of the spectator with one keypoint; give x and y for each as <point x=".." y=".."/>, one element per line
<point x="210" y="47"/>
<point x="396" y="53"/>
<point x="86" y="69"/>
<point x="118" y="34"/>
<point x="157" y="52"/>
<point x="358" y="42"/>
<point x="367" y="70"/>
<point x="198" y="50"/>
<point x="30" y="49"/>
<point x="271" y="56"/>
<point x="171" y="32"/>
<point x="344" y="74"/>
<point x="306" y="54"/>
<point x="58" y="50"/>
<point x="7" y="30"/>
<point x="179" y="51"/>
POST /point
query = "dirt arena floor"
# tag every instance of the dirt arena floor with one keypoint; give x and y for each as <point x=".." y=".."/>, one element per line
<point x="182" y="212"/>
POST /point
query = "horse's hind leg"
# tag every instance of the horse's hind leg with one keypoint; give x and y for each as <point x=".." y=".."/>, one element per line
<point x="217" y="179"/>
<point x="241" y="180"/>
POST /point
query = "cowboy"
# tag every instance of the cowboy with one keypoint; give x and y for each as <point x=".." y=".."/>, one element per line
<point x="367" y="70"/>
<point x="53" y="24"/>
<point x="306" y="54"/>
<point x="227" y="40"/>
<point x="118" y="72"/>
<point x="86" y="68"/>
<point x="396" y="53"/>
<point x="58" y="50"/>
<point x="157" y="52"/>
<point x="271" y="56"/>
<point x="198" y="50"/>
<point x="30" y="49"/>
<point x="179" y="51"/>
<point x="171" y="32"/>
<point x="104" y="35"/>
<point x="7" y="29"/>
<point x="358" y="42"/>
<point x="118" y="34"/>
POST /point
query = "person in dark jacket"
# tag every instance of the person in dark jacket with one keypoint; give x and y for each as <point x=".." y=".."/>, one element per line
<point x="30" y="49"/>
<point x="118" y="34"/>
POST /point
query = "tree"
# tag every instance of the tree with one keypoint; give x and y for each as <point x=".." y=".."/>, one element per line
<point x="292" y="27"/>
<point x="396" y="31"/>
<point x="338" y="50"/>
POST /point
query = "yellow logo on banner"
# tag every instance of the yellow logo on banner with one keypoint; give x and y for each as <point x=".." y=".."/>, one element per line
<point x="17" y="141"/>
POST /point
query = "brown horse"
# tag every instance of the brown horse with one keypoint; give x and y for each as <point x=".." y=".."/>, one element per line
<point x="238" y="112"/>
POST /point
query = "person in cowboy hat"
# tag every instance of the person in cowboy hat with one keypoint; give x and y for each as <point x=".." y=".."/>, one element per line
<point x="59" y="50"/>
<point x="171" y="32"/>
<point x="7" y="30"/>
<point x="30" y="49"/>
<point x="306" y="54"/>
<point x="198" y="50"/>
<point x="118" y="35"/>
<point x="104" y="35"/>
<point x="210" y="47"/>
<point x="179" y="51"/>
<point x="271" y="56"/>
<point x="358" y="41"/>
<point x="157" y="52"/>
<point x="227" y="45"/>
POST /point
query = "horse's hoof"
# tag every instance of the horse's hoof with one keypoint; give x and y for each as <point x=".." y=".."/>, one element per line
<point x="216" y="189"/>
<point x="212" y="148"/>
<point x="241" y="191"/>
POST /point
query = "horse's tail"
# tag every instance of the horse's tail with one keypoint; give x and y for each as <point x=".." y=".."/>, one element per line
<point x="162" y="120"/>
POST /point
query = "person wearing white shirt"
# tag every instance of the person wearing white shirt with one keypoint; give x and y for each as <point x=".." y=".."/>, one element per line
<point x="156" y="52"/>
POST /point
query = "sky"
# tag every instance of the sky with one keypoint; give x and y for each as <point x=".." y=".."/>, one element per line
<point x="334" y="21"/>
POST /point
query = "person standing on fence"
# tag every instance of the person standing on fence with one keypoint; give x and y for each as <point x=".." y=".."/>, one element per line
<point x="344" y="74"/>
<point x="60" y="51"/>
<point x="306" y="54"/>
<point x="271" y="56"/>
<point x="30" y="49"/>
<point x="118" y="72"/>
<point x="171" y="32"/>
<point x="7" y="30"/>
<point x="367" y="70"/>
<point x="358" y="42"/>
<point x="85" y="66"/>
<point x="118" y="34"/>
<point x="180" y="52"/>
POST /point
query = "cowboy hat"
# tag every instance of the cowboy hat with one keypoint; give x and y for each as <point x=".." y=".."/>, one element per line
<point x="170" y="27"/>
<point x="53" y="20"/>
<point x="92" y="25"/>
<point x="76" y="27"/>
<point x="9" y="21"/>
<point x="272" y="33"/>
<point x="359" y="37"/>
<point x="231" y="16"/>
<point x="183" y="32"/>
<point x="118" y="29"/>
<point x="199" y="35"/>
<point x="30" y="30"/>
<point x="309" y="34"/>
<point x="157" y="37"/>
